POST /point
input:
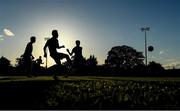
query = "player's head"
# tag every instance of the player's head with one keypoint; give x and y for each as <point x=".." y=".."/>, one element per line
<point x="55" y="33"/>
<point x="33" y="39"/>
<point x="77" y="42"/>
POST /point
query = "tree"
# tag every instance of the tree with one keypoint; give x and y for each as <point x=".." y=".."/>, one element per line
<point x="124" y="57"/>
<point x="5" y="65"/>
<point x="4" y="62"/>
<point x="19" y="61"/>
<point x="92" y="61"/>
<point x="155" y="67"/>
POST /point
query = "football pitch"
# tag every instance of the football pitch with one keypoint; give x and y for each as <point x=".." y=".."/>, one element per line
<point x="89" y="92"/>
<point x="76" y="78"/>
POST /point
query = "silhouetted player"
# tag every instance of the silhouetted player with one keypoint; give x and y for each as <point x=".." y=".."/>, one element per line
<point x="53" y="44"/>
<point x="28" y="57"/>
<point x="37" y="65"/>
<point x="39" y="61"/>
<point x="77" y="51"/>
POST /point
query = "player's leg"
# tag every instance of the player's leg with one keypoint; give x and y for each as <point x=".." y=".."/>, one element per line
<point x="58" y="62"/>
<point x="62" y="55"/>
<point x="28" y="66"/>
<point x="69" y="65"/>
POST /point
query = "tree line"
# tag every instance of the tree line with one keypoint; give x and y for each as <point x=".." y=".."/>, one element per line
<point x="121" y="61"/>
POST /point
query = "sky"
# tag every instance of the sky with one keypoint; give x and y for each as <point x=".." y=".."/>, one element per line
<point x="98" y="24"/>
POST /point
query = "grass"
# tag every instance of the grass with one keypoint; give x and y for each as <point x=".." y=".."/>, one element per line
<point x="89" y="92"/>
<point x="74" y="78"/>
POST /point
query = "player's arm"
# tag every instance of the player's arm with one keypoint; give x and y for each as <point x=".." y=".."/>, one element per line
<point x="61" y="47"/>
<point x="57" y="45"/>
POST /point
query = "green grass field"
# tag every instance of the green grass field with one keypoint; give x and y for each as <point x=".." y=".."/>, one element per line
<point x="89" y="92"/>
<point x="74" y="78"/>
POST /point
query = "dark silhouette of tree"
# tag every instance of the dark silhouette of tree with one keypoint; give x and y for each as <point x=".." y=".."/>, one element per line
<point x="92" y="61"/>
<point x="19" y="61"/>
<point x="91" y="65"/>
<point x="87" y="66"/>
<point x="5" y="66"/>
<point x="155" y="67"/>
<point x="4" y="62"/>
<point x="20" y="66"/>
<point x="124" y="57"/>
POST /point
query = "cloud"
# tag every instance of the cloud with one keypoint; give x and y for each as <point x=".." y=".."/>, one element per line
<point x="8" y="33"/>
<point x="172" y="65"/>
<point x="161" y="52"/>
<point x="1" y="37"/>
<point x="153" y="57"/>
<point x="170" y="60"/>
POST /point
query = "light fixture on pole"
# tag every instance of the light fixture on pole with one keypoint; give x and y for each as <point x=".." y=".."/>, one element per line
<point x="145" y="29"/>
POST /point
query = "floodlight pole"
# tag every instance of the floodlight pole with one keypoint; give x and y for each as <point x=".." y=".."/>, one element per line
<point x="46" y="60"/>
<point x="46" y="38"/>
<point x="145" y="29"/>
<point x="1" y="39"/>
